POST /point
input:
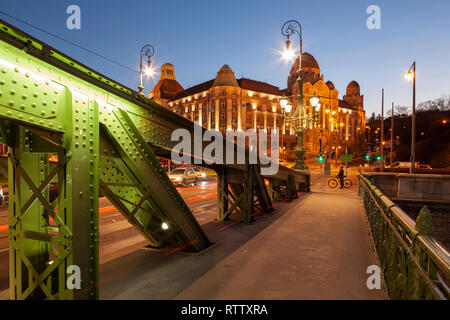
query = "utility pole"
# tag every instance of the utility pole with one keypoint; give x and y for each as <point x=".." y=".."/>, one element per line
<point x="382" y="131"/>
<point x="392" y="134"/>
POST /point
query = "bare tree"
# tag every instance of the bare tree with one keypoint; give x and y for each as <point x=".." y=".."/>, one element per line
<point x="439" y="104"/>
<point x="400" y="110"/>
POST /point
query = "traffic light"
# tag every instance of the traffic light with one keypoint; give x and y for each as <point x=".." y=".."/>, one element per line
<point x="378" y="158"/>
<point x="320" y="158"/>
<point x="367" y="157"/>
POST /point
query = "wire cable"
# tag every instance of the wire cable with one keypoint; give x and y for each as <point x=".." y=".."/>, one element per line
<point x="69" y="42"/>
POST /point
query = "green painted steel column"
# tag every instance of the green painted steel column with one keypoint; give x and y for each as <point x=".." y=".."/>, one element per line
<point x="222" y="193"/>
<point x="81" y="188"/>
<point x="249" y="194"/>
<point x="28" y="257"/>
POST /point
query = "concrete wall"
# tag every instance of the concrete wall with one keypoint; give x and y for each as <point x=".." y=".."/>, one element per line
<point x="386" y="182"/>
<point x="440" y="214"/>
<point x="412" y="192"/>
<point x="415" y="186"/>
<point x="422" y="186"/>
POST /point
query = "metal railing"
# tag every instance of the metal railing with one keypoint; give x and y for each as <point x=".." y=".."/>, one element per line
<point x="414" y="265"/>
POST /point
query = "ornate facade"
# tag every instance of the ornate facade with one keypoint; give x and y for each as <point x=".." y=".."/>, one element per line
<point x="225" y="103"/>
<point x="336" y="123"/>
<point x="228" y="103"/>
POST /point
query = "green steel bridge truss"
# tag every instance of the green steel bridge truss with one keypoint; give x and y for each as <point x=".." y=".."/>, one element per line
<point x="106" y="137"/>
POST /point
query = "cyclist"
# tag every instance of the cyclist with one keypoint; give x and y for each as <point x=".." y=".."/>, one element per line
<point x="340" y="176"/>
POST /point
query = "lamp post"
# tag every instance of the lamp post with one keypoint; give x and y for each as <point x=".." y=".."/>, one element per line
<point x="289" y="28"/>
<point x="147" y="51"/>
<point x="392" y="136"/>
<point x="283" y="104"/>
<point x="411" y="75"/>
<point x="315" y="103"/>
<point x="382" y="132"/>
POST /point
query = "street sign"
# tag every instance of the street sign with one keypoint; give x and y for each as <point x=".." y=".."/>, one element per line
<point x="346" y="157"/>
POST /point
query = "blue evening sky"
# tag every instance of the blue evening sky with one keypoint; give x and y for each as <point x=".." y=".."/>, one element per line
<point x="198" y="37"/>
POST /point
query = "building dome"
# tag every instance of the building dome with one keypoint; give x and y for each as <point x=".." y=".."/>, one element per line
<point x="225" y="77"/>
<point x="353" y="88"/>
<point x="330" y="85"/>
<point x="167" y="71"/>
<point x="308" y="61"/>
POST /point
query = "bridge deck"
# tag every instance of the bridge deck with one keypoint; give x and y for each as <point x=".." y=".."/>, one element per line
<point x="315" y="248"/>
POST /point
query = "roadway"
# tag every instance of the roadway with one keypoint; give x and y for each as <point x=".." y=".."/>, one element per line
<point x="117" y="236"/>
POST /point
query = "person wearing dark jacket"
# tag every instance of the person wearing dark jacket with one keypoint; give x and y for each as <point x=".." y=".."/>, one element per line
<point x="341" y="176"/>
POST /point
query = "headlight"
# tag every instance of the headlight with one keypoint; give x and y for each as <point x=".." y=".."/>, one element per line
<point x="203" y="174"/>
<point x="175" y="178"/>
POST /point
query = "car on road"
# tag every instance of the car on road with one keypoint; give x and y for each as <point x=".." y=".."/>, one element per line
<point x="402" y="164"/>
<point x="201" y="175"/>
<point x="2" y="197"/>
<point x="183" y="176"/>
<point x="424" y="166"/>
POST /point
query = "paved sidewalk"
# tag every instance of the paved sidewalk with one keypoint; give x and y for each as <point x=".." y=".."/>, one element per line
<point x="316" y="247"/>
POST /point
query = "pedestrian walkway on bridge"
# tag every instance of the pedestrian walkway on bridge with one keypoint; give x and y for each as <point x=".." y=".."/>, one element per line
<point x="317" y="247"/>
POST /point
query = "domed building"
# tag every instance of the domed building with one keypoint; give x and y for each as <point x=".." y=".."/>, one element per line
<point x="336" y="123"/>
<point x="227" y="103"/>
<point x="167" y="87"/>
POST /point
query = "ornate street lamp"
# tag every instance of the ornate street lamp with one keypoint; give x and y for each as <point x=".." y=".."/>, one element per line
<point x="283" y="102"/>
<point x="288" y="107"/>
<point x="314" y="100"/>
<point x="289" y="28"/>
<point x="147" y="51"/>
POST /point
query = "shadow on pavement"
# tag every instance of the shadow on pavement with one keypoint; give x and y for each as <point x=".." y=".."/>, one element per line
<point x="146" y="274"/>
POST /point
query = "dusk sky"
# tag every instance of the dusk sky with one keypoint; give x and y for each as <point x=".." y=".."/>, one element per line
<point x="198" y="37"/>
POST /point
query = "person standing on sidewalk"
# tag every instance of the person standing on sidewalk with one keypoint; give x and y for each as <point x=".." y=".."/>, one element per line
<point x="340" y="176"/>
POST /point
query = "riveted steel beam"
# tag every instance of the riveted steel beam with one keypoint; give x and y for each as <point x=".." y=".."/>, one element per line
<point x="137" y="183"/>
<point x="241" y="193"/>
<point x="51" y="104"/>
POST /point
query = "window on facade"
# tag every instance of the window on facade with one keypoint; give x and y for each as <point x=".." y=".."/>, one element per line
<point x="223" y="104"/>
<point x="223" y="93"/>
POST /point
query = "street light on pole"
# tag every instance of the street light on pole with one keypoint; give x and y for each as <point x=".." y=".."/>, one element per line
<point x="283" y="104"/>
<point x="382" y="132"/>
<point x="392" y="135"/>
<point x="411" y="75"/>
<point x="147" y="51"/>
<point x="288" y="29"/>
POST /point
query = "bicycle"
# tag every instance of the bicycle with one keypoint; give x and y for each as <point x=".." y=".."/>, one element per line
<point x="333" y="182"/>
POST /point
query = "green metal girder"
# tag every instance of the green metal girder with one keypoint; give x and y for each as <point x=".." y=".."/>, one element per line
<point x="241" y="193"/>
<point x="150" y="199"/>
<point x="51" y="104"/>
<point x="28" y="257"/>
